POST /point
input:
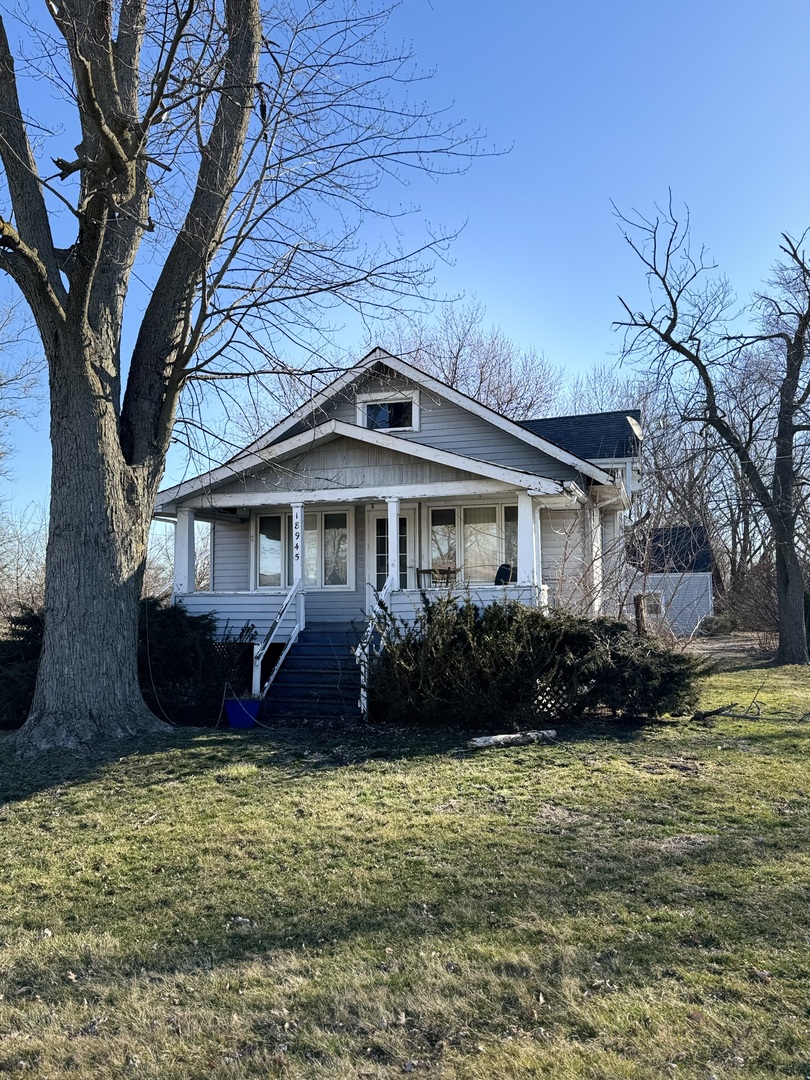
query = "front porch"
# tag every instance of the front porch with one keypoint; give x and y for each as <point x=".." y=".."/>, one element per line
<point x="282" y="566"/>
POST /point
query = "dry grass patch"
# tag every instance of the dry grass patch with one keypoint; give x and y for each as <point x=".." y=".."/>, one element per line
<point x="307" y="906"/>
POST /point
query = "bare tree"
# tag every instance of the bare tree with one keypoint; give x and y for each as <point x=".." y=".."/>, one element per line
<point x="231" y="156"/>
<point x="694" y="338"/>
<point x="458" y="347"/>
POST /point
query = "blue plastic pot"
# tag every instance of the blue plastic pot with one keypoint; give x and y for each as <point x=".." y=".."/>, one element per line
<point x="242" y="713"/>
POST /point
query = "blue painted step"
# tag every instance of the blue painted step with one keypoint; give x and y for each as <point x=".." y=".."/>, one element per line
<point x="319" y="677"/>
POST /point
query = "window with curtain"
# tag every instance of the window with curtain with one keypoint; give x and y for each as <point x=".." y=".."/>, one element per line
<point x="335" y="549"/>
<point x="270" y="551"/>
<point x="442" y="538"/>
<point x="482" y="543"/>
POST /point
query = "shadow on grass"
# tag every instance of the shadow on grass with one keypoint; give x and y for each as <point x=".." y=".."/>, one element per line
<point x="300" y="750"/>
<point x="459" y="903"/>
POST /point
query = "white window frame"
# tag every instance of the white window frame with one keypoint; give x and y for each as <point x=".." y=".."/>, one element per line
<point x="459" y="508"/>
<point x="320" y="512"/>
<point x="255" y="550"/>
<point x="286" y="517"/>
<point x="381" y="397"/>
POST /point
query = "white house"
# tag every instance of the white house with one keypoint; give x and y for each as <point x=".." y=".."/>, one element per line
<point x="303" y="517"/>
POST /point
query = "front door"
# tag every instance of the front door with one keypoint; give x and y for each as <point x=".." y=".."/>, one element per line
<point x="377" y="553"/>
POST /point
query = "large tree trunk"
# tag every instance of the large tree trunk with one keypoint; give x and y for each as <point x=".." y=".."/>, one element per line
<point x="87" y="687"/>
<point x="790" y="605"/>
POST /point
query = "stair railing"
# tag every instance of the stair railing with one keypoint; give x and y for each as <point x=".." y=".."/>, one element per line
<point x="296" y="592"/>
<point x="362" y="654"/>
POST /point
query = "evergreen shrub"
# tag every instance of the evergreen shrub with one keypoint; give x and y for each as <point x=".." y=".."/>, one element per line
<point x="183" y="666"/>
<point x="462" y="665"/>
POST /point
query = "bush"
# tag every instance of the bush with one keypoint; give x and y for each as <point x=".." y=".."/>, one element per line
<point x="461" y="665"/>
<point x="182" y="667"/>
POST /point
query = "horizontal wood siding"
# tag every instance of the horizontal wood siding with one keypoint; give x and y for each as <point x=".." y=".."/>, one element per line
<point x="564" y="558"/>
<point x="687" y="598"/>
<point x="233" y="610"/>
<point x="406" y="604"/>
<point x="230" y="556"/>
<point x="450" y="427"/>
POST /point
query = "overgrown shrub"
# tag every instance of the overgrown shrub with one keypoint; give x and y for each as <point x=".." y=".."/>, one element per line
<point x="461" y="665"/>
<point x="182" y="667"/>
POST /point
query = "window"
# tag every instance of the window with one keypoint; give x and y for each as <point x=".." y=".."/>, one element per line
<point x="482" y="543"/>
<point x="270" y="551"/>
<point x="397" y="411"/>
<point x="335" y="539"/>
<point x="488" y="538"/>
<point x="653" y="604"/>
<point x="442" y="539"/>
<point x="389" y="414"/>
<point x="325" y="550"/>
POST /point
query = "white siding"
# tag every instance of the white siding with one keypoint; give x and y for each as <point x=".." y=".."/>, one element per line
<point x="686" y="598"/>
<point x="233" y="610"/>
<point x="565" y="559"/>
<point x="230" y="556"/>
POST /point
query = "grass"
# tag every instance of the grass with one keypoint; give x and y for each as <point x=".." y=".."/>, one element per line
<point x="304" y="905"/>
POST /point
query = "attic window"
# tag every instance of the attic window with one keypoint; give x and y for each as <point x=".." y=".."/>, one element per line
<point x="389" y="414"/>
<point x="384" y="412"/>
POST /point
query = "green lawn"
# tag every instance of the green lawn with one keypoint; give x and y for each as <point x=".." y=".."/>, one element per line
<point x="306" y="905"/>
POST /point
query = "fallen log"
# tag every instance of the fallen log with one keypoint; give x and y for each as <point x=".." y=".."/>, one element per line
<point x="521" y="738"/>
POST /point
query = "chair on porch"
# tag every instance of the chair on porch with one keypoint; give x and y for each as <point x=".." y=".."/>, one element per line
<point x="441" y="577"/>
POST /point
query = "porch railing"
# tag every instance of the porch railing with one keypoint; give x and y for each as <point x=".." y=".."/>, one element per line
<point x="295" y="593"/>
<point x="362" y="653"/>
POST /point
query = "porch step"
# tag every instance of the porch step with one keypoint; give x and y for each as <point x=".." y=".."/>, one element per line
<point x="319" y="678"/>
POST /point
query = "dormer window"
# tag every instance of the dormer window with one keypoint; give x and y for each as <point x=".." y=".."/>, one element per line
<point x="389" y="412"/>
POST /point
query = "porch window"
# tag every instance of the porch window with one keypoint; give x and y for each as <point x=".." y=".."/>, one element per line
<point x="325" y="550"/>
<point x="482" y="544"/>
<point x="510" y="533"/>
<point x="442" y="538"/>
<point x="270" y="551"/>
<point x="336" y="549"/>
<point x="488" y="539"/>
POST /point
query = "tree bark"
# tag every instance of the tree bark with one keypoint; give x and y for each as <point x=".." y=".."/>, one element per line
<point x="790" y="606"/>
<point x="87" y="689"/>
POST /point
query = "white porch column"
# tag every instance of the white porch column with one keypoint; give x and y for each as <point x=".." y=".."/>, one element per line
<point x="526" y="545"/>
<point x="393" y="542"/>
<point x="593" y="534"/>
<point x="184" y="552"/>
<point x="298" y="556"/>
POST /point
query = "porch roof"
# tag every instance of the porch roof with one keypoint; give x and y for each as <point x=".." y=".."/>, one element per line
<point x="202" y="490"/>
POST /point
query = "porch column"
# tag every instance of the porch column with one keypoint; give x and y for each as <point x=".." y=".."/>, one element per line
<point x="298" y="557"/>
<point x="526" y="546"/>
<point x="393" y="542"/>
<point x="593" y="539"/>
<point x="184" y="552"/>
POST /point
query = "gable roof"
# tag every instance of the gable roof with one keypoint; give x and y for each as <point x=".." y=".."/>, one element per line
<point x="671" y="549"/>
<point x="607" y="435"/>
<point x="269" y="446"/>
<point x="334" y="429"/>
<point x="421" y="378"/>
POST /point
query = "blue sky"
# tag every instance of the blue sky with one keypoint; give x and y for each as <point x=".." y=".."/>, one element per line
<point x="597" y="101"/>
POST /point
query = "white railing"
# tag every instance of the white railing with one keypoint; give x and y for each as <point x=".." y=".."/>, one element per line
<point x="362" y="653"/>
<point x="296" y="592"/>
